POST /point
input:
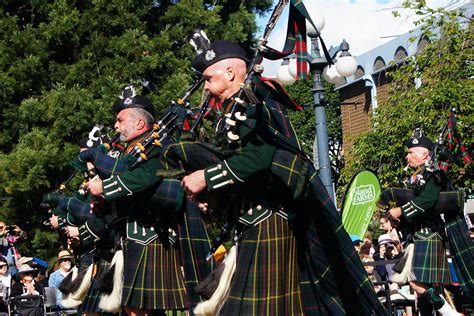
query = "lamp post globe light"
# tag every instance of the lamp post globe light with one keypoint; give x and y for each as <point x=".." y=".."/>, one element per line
<point x="284" y="76"/>
<point x="320" y="68"/>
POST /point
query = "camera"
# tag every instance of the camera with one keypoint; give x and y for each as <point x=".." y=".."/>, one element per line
<point x="389" y="254"/>
<point x="11" y="230"/>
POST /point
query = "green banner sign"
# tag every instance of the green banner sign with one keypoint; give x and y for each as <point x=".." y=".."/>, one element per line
<point x="359" y="202"/>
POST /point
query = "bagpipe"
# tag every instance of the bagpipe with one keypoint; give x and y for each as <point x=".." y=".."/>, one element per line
<point x="187" y="157"/>
<point x="161" y="132"/>
<point x="450" y="134"/>
<point x="97" y="136"/>
<point x="112" y="148"/>
<point x="450" y="201"/>
<point x="163" y="129"/>
<point x="449" y="206"/>
<point x="254" y="89"/>
<point x="58" y="203"/>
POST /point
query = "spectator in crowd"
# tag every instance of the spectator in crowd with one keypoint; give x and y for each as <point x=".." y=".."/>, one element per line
<point x="26" y="284"/>
<point x="65" y="267"/>
<point x="10" y="236"/>
<point x="379" y="255"/>
<point x="367" y="246"/>
<point x="356" y="242"/>
<point x="371" y="272"/>
<point x="388" y="225"/>
<point x="388" y="248"/>
<point x="5" y="284"/>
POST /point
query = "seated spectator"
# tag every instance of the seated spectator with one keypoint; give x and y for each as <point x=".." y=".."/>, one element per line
<point x="26" y="284"/>
<point x="65" y="267"/>
<point x="366" y="248"/>
<point x="40" y="268"/>
<point x="390" y="252"/>
<point x="371" y="272"/>
<point x="10" y="236"/>
<point x="388" y="225"/>
<point x="379" y="255"/>
<point x="356" y="242"/>
<point x="5" y="284"/>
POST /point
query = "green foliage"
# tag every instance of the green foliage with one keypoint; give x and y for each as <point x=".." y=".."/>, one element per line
<point x="304" y="122"/>
<point x="445" y="69"/>
<point x="44" y="245"/>
<point x="62" y="65"/>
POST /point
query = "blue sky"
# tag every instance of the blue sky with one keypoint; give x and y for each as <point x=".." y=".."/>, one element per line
<point x="365" y="24"/>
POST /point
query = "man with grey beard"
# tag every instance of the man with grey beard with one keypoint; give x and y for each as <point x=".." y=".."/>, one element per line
<point x="152" y="278"/>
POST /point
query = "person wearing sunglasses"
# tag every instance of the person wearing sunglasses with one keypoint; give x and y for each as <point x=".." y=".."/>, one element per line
<point x="65" y="267"/>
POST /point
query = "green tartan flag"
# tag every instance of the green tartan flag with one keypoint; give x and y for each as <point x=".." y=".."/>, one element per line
<point x="359" y="203"/>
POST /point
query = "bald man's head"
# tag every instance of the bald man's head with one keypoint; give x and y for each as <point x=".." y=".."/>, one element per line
<point x="223" y="78"/>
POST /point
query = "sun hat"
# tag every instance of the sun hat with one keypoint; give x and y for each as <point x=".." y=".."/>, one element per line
<point x="64" y="254"/>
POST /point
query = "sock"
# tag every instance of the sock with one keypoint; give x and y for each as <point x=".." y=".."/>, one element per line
<point x="424" y="304"/>
<point x="435" y="298"/>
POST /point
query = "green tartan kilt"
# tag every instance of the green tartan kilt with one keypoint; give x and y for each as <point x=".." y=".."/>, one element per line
<point x="462" y="250"/>
<point x="430" y="264"/>
<point x="153" y="278"/>
<point x="92" y="299"/>
<point x="327" y="278"/>
<point x="85" y="261"/>
<point x="266" y="276"/>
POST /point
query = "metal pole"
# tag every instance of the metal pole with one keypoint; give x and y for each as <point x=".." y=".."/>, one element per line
<point x="317" y="65"/>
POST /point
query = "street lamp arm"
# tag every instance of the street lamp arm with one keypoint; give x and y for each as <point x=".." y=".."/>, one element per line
<point x="333" y="51"/>
<point x="343" y="47"/>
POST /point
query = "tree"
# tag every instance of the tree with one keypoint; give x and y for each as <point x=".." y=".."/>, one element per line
<point x="63" y="64"/>
<point x="445" y="70"/>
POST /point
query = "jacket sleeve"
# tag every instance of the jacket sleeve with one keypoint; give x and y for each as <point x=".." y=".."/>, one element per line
<point x="255" y="156"/>
<point x="132" y="181"/>
<point x="78" y="211"/>
<point x="423" y="201"/>
<point x="92" y="230"/>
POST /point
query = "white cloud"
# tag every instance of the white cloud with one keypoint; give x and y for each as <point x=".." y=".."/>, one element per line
<point x="365" y="24"/>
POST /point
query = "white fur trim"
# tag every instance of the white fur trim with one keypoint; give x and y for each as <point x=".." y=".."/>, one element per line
<point x="407" y="273"/>
<point x="111" y="302"/>
<point x="214" y="304"/>
<point x="447" y="309"/>
<point x="75" y="299"/>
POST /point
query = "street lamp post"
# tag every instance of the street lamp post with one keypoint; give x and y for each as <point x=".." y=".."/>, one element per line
<point x="345" y="67"/>
<point x="317" y="65"/>
<point x="321" y="147"/>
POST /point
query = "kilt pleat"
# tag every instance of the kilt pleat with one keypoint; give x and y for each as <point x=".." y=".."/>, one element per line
<point x="153" y="278"/>
<point x="320" y="287"/>
<point x="92" y="299"/>
<point x="266" y="276"/>
<point x="430" y="264"/>
<point x="462" y="248"/>
<point x="194" y="245"/>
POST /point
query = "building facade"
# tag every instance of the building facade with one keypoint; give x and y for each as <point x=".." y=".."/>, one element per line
<point x="361" y="93"/>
